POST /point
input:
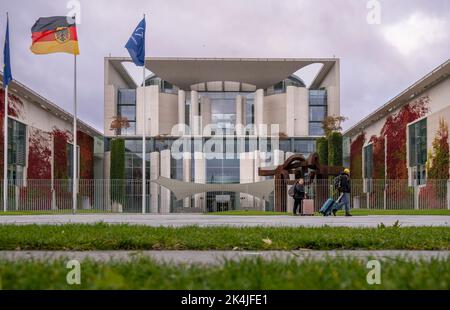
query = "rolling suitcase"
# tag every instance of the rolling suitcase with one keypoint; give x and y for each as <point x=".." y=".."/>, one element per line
<point x="308" y="207"/>
<point x="329" y="205"/>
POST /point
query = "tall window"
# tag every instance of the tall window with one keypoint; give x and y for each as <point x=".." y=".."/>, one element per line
<point x="126" y="107"/>
<point x="69" y="151"/>
<point x="317" y="111"/>
<point x="368" y="161"/>
<point x="133" y="159"/>
<point x="418" y="150"/>
<point x="16" y="149"/>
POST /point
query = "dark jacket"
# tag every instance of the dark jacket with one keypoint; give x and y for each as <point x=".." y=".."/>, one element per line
<point x="299" y="191"/>
<point x="345" y="183"/>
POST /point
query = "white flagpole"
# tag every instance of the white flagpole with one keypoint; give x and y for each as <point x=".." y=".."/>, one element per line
<point x="5" y="153"/>
<point x="75" y="157"/>
<point x="144" y="125"/>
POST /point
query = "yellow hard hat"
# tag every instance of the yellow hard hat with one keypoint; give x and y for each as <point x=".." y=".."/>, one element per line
<point x="347" y="171"/>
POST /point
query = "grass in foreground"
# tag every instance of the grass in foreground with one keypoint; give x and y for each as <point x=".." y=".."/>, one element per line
<point x="135" y="237"/>
<point x="248" y="274"/>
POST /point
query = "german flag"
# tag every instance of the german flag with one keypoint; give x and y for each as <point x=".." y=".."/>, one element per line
<point x="54" y="35"/>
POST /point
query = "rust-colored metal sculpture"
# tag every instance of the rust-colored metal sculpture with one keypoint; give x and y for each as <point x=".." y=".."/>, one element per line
<point x="300" y="167"/>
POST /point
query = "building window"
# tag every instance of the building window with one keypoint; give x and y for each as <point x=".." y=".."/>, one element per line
<point x="317" y="111"/>
<point x="126" y="107"/>
<point x="304" y="147"/>
<point x="315" y="129"/>
<point x="16" y="150"/>
<point x="346" y="151"/>
<point x="368" y="161"/>
<point x="285" y="145"/>
<point x="133" y="159"/>
<point x="249" y="105"/>
<point x="69" y="151"/>
<point x="418" y="151"/>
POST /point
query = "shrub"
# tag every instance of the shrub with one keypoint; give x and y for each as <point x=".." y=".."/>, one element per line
<point x="322" y="150"/>
<point x="335" y="149"/>
<point x="117" y="170"/>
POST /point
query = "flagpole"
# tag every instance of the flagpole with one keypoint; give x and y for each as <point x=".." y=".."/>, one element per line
<point x="5" y="153"/>
<point x="5" y="120"/>
<point x="144" y="118"/>
<point x="74" y="155"/>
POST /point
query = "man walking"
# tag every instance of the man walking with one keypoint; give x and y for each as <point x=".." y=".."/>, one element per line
<point x="344" y="189"/>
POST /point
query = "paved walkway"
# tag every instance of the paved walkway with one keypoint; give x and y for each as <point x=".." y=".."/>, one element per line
<point x="218" y="257"/>
<point x="223" y="220"/>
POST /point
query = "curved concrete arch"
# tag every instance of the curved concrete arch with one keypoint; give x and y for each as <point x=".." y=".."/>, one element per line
<point x="183" y="190"/>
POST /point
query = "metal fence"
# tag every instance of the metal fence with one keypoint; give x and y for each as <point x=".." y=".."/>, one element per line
<point x="125" y="196"/>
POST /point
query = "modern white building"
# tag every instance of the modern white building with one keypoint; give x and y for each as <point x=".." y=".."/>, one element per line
<point x="216" y="121"/>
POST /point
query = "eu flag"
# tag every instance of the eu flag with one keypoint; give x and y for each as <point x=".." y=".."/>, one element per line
<point x="7" y="75"/>
<point x="136" y="44"/>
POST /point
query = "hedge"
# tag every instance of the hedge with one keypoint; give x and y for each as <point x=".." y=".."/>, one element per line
<point x="117" y="170"/>
<point x="322" y="150"/>
<point x="335" y="149"/>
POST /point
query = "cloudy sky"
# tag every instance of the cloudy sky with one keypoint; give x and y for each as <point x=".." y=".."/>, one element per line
<point x="377" y="60"/>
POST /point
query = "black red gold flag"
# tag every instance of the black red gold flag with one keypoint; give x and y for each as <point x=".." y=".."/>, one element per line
<point x="56" y="34"/>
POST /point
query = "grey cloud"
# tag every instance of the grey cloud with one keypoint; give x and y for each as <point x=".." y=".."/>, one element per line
<point x="372" y="71"/>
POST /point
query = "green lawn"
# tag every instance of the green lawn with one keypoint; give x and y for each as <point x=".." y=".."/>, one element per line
<point x="359" y="212"/>
<point x="135" y="237"/>
<point x="355" y="212"/>
<point x="248" y="213"/>
<point x="249" y="274"/>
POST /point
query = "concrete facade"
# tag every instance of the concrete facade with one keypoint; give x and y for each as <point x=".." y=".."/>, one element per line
<point x="202" y="93"/>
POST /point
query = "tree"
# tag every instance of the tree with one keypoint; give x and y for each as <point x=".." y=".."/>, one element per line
<point x="118" y="123"/>
<point x="117" y="170"/>
<point x="332" y="124"/>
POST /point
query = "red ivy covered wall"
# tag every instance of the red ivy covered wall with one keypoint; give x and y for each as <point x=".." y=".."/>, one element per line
<point x="60" y="140"/>
<point x="15" y="109"/>
<point x="393" y="139"/>
<point x="86" y="144"/>
<point x="39" y="154"/>
<point x="378" y="157"/>
<point x="395" y="132"/>
<point x="356" y="156"/>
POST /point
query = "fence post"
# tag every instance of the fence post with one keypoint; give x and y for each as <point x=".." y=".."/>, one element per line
<point x="416" y="197"/>
<point x="16" y="196"/>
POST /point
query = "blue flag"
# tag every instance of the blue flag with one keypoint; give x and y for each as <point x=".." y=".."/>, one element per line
<point x="136" y="44"/>
<point x="7" y="75"/>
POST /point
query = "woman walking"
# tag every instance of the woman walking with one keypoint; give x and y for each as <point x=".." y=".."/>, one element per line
<point x="299" y="195"/>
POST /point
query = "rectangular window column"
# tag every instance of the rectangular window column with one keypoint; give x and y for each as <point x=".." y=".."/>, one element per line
<point x="154" y="188"/>
<point x="165" y="172"/>
<point x="200" y="178"/>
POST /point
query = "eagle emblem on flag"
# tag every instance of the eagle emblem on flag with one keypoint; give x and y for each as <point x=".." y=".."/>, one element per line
<point x="62" y="34"/>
